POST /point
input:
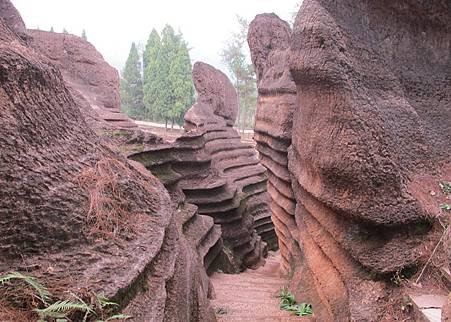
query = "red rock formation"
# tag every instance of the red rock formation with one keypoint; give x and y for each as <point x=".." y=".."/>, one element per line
<point x="61" y="187"/>
<point x="370" y="138"/>
<point x="94" y="83"/>
<point x="233" y="159"/>
<point x="12" y="17"/>
<point x="217" y="172"/>
<point x="269" y="39"/>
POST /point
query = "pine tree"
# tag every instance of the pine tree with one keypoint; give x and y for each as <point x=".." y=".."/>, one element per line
<point x="176" y="92"/>
<point x="152" y="76"/>
<point x="131" y="85"/>
<point x="51" y="29"/>
<point x="151" y="51"/>
<point x="181" y="82"/>
<point x="165" y="97"/>
<point x="83" y="35"/>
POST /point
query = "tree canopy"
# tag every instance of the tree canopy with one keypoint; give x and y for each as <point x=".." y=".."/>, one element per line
<point x="131" y="84"/>
<point x="168" y="90"/>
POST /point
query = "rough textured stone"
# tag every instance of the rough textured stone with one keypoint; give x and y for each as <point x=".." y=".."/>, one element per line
<point x="217" y="172"/>
<point x="12" y="17"/>
<point x="269" y="39"/>
<point x="50" y="164"/>
<point x="368" y="133"/>
<point x="370" y="139"/>
<point x="94" y="83"/>
<point x="217" y="100"/>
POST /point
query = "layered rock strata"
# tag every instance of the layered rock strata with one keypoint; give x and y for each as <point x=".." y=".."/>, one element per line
<point x="217" y="172"/>
<point x="77" y="215"/>
<point x="176" y="165"/>
<point x="370" y="142"/>
<point x="269" y="41"/>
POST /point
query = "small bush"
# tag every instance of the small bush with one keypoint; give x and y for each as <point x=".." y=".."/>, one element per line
<point x="288" y="303"/>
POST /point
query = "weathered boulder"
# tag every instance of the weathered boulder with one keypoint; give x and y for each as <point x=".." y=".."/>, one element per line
<point x="93" y="82"/>
<point x="217" y="99"/>
<point x="218" y="173"/>
<point x="12" y="17"/>
<point x="370" y="140"/>
<point x="269" y="40"/>
<point x="79" y="216"/>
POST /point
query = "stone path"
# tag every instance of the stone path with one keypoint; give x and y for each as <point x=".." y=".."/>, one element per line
<point x="252" y="295"/>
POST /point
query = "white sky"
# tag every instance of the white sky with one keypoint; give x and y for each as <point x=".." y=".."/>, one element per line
<point x="112" y="25"/>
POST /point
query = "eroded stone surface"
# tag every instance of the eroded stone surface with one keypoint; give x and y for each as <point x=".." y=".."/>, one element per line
<point x="50" y="161"/>
<point x="269" y="39"/>
<point x="368" y="131"/>
<point x="217" y="172"/>
<point x="368" y="142"/>
<point x="94" y="83"/>
<point x="12" y="17"/>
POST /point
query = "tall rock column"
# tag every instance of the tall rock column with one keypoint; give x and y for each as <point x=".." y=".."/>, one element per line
<point x="269" y="40"/>
<point x="370" y="142"/>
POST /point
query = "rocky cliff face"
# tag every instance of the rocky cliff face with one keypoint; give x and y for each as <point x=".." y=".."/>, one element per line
<point x="93" y="82"/>
<point x="218" y="173"/>
<point x="269" y="40"/>
<point x="79" y="216"/>
<point x="370" y="127"/>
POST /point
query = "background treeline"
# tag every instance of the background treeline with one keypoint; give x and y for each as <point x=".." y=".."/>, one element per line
<point x="236" y="57"/>
<point x="157" y="85"/>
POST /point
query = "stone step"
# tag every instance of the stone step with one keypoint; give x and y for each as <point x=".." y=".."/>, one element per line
<point x="252" y="295"/>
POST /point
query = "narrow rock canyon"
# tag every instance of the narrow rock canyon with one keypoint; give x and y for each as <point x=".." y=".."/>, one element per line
<point x="346" y="187"/>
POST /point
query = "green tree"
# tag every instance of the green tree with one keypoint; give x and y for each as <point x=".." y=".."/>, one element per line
<point x="169" y="90"/>
<point x="152" y="76"/>
<point x="180" y="78"/>
<point x="151" y="51"/>
<point x="83" y="35"/>
<point x="131" y="85"/>
<point x="166" y="97"/>
<point x="236" y="56"/>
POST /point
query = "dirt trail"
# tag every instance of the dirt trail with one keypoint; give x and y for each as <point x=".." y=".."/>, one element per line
<point x="252" y="295"/>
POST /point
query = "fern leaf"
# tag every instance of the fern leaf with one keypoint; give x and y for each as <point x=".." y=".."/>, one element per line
<point x="104" y="301"/>
<point x="41" y="290"/>
<point x="62" y="308"/>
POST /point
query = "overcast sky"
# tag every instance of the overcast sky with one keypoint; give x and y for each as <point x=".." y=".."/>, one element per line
<point x="111" y="26"/>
